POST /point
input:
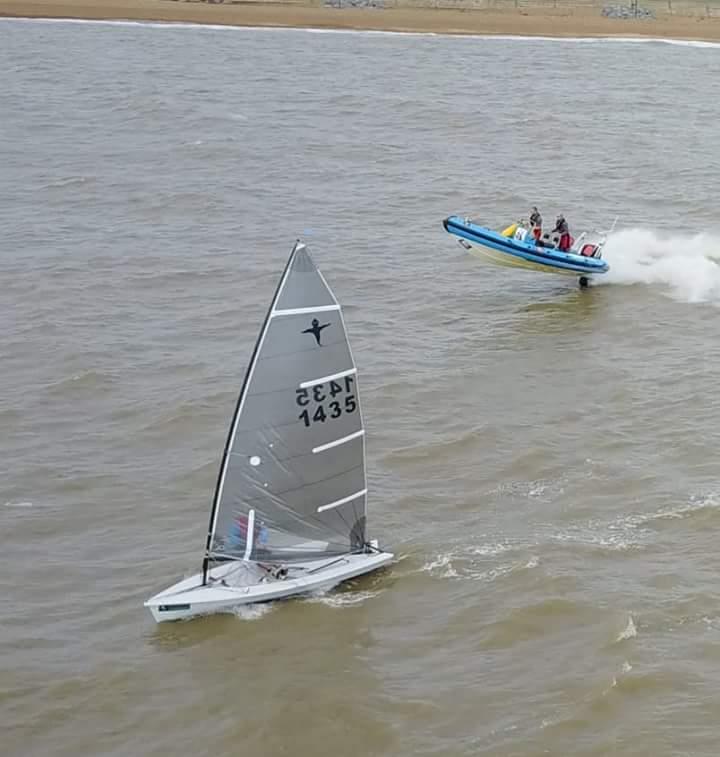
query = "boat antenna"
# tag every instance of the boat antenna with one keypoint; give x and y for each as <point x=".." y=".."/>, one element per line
<point x="606" y="232"/>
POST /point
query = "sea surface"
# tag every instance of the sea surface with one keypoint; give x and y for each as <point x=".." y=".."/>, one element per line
<point x="542" y="460"/>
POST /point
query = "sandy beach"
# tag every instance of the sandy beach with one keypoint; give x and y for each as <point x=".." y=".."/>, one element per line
<point x="567" y="21"/>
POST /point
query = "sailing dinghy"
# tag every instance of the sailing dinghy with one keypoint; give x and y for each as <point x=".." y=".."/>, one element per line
<point x="289" y="512"/>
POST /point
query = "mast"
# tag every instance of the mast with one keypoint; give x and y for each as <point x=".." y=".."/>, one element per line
<point x="238" y="408"/>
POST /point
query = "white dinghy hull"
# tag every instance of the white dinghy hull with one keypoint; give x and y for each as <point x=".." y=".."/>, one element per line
<point x="233" y="584"/>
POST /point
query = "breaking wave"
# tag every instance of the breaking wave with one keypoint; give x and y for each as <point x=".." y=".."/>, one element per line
<point x="172" y="25"/>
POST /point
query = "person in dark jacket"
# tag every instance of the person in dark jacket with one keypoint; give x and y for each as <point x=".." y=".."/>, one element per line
<point x="562" y="228"/>
<point x="536" y="224"/>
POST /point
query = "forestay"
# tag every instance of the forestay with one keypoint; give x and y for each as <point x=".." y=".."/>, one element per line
<point x="292" y="483"/>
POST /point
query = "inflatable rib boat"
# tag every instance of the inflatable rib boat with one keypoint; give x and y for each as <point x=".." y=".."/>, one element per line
<point x="516" y="247"/>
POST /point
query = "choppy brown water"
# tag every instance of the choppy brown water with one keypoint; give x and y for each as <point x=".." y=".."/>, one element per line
<point x="543" y="460"/>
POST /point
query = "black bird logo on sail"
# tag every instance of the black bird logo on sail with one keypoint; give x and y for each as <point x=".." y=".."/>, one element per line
<point x="316" y="330"/>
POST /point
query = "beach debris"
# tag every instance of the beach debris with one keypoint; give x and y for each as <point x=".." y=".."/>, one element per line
<point x="627" y="11"/>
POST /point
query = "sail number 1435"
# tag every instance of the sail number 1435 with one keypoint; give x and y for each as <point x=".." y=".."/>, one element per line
<point x="328" y="400"/>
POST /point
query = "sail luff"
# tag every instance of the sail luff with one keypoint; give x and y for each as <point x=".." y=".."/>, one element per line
<point x="238" y="408"/>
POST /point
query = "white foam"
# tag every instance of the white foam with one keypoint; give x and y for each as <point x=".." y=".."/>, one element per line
<point x="489" y="550"/>
<point x="442" y="564"/>
<point x="626" y="668"/>
<point x="253" y="611"/>
<point x="226" y="27"/>
<point x="491" y="575"/>
<point x="18" y="504"/>
<point x="589" y="537"/>
<point x="342" y="599"/>
<point x="531" y="489"/>
<point x="119" y="22"/>
<point x="682" y="42"/>
<point x="462" y="565"/>
<point x="629" y="632"/>
<point x="677" y="512"/>
<point x="686" y="267"/>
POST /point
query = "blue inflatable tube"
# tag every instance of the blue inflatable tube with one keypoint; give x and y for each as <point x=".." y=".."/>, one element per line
<point x="513" y="252"/>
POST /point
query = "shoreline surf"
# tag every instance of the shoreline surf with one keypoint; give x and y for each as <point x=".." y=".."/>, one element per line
<point x="527" y="22"/>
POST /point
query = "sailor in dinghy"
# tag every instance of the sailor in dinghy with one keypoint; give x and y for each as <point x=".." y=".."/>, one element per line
<point x="289" y="512"/>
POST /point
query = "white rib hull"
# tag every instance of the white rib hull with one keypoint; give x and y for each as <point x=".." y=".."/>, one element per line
<point x="234" y="584"/>
<point x="506" y="260"/>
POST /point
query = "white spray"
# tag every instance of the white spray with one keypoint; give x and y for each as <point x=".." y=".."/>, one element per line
<point x="685" y="267"/>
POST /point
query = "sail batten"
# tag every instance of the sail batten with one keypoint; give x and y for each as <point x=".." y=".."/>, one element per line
<point x="250" y="535"/>
<point x="337" y="442"/>
<point x="325" y="379"/>
<point x="301" y="311"/>
<point x="342" y="501"/>
<point x="277" y="497"/>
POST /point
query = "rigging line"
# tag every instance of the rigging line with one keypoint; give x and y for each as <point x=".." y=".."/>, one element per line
<point x="319" y="525"/>
<point x="353" y="436"/>
<point x="340" y="502"/>
<point x="338" y="512"/>
<point x="324" y="527"/>
<point x="314" y="520"/>
<point x="348" y="526"/>
<point x="300" y="488"/>
<point x="355" y="515"/>
<point x="276" y="500"/>
<point x="290" y="458"/>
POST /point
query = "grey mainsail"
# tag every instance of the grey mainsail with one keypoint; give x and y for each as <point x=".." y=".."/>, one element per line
<point x="292" y="483"/>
